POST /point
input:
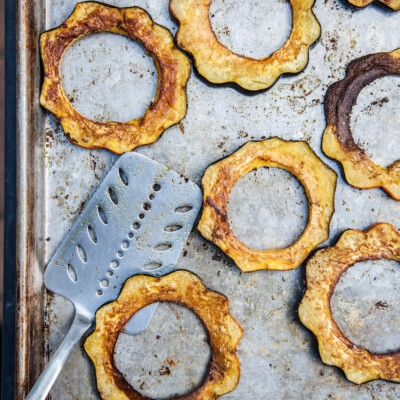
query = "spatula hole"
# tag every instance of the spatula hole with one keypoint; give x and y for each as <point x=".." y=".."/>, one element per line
<point x="130" y="235"/>
<point x="102" y="215"/>
<point x="120" y="254"/>
<point x="141" y="216"/>
<point x="183" y="209"/>
<point x="123" y="177"/>
<point x="156" y="187"/>
<point x="110" y="273"/>
<point x="92" y="234"/>
<point x="151" y="197"/>
<point x="125" y="244"/>
<point x="71" y="273"/>
<point x="163" y="246"/>
<point x="172" y="228"/>
<point x="146" y="206"/>
<point x="136" y="226"/>
<point x="114" y="264"/>
<point x="99" y="292"/>
<point x="152" y="266"/>
<point x="113" y="196"/>
<point x="82" y="253"/>
<point x="104" y="283"/>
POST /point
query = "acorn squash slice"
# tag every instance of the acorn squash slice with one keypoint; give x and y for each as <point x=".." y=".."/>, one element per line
<point x="323" y="273"/>
<point x="218" y="64"/>
<point x="185" y="289"/>
<point x="338" y="142"/>
<point x="169" y="106"/>
<point x="394" y="4"/>
<point x="318" y="180"/>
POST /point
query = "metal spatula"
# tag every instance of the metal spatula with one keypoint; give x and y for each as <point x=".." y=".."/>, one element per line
<point x="137" y="222"/>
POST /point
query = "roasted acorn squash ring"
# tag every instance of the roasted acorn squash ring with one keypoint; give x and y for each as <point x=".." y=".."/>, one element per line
<point x="394" y="4"/>
<point x="338" y="142"/>
<point x="323" y="273"/>
<point x="169" y="106"/>
<point x="318" y="180"/>
<point x="183" y="288"/>
<point x="218" y="64"/>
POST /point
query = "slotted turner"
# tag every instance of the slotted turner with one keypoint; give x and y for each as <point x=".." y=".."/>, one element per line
<point x="137" y="222"/>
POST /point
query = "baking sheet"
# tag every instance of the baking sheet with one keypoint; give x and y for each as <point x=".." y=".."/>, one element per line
<point x="278" y="356"/>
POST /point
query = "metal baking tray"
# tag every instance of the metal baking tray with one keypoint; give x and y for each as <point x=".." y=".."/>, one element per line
<point x="279" y="357"/>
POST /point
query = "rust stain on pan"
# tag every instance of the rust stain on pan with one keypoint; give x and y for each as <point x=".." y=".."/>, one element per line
<point x="30" y="296"/>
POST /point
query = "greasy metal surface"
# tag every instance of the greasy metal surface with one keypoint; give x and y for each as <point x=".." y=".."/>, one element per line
<point x="101" y="62"/>
<point x="278" y="355"/>
<point x="273" y="226"/>
<point x="165" y="363"/>
<point x="357" y="310"/>
<point x="227" y="15"/>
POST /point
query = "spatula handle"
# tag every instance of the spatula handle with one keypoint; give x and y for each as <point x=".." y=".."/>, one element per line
<point x="42" y="387"/>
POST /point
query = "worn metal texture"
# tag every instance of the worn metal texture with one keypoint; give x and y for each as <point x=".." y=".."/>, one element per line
<point x="110" y="77"/>
<point x="30" y="226"/>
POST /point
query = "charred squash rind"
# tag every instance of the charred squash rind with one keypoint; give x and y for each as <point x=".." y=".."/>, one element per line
<point x="323" y="273"/>
<point x="394" y="4"/>
<point x="338" y="142"/>
<point x="318" y="180"/>
<point x="218" y="64"/>
<point x="169" y="106"/>
<point x="185" y="289"/>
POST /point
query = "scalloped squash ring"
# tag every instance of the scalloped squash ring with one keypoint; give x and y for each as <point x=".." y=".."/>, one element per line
<point x="323" y="273"/>
<point x="183" y="288"/>
<point x="394" y="4"/>
<point x="318" y="180"/>
<point x="338" y="142"/>
<point x="169" y="105"/>
<point x="220" y="65"/>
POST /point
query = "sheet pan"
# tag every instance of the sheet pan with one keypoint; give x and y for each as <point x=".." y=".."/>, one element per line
<point x="279" y="357"/>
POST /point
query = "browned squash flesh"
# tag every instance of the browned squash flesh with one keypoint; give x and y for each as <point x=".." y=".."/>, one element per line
<point x="169" y="106"/>
<point x="394" y="4"/>
<point x="318" y="180"/>
<point x="338" y="142"/>
<point x="218" y="64"/>
<point x="323" y="273"/>
<point x="185" y="289"/>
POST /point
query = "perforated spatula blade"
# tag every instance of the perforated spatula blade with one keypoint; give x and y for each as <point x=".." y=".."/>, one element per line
<point x="137" y="222"/>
